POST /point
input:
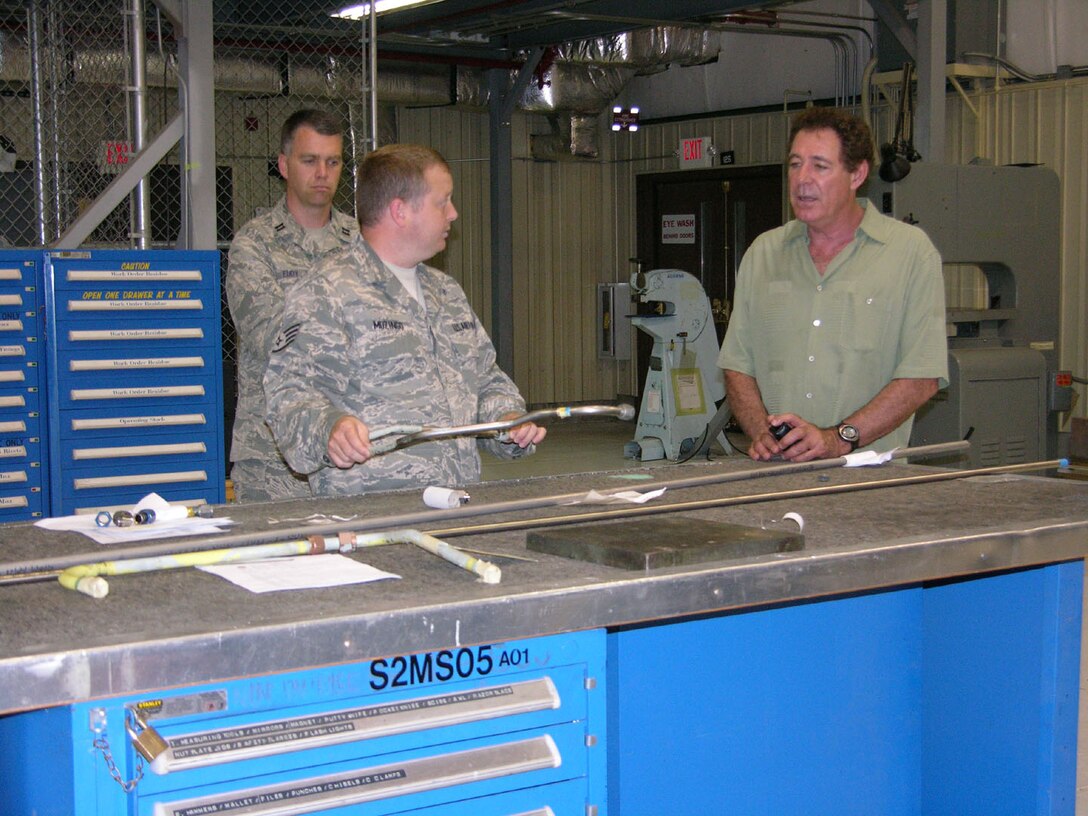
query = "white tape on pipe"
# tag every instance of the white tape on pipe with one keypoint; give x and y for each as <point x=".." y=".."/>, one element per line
<point x="797" y="518"/>
<point x="173" y="512"/>
<point x="442" y="498"/>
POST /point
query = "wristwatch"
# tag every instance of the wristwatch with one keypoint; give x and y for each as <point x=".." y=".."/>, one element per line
<point x="849" y="434"/>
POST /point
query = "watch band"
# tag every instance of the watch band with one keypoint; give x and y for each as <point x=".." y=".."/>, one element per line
<point x="850" y="435"/>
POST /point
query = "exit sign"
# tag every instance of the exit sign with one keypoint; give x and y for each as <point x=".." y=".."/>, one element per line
<point x="697" y="152"/>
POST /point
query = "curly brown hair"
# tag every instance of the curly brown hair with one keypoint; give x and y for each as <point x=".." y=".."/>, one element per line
<point x="855" y="138"/>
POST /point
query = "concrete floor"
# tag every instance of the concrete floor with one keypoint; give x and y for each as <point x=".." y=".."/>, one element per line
<point x="597" y="444"/>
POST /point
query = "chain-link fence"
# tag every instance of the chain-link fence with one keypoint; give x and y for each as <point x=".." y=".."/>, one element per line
<point x="73" y="111"/>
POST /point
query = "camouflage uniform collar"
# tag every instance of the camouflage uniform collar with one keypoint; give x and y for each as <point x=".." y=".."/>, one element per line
<point x="428" y="282"/>
<point x="286" y="227"/>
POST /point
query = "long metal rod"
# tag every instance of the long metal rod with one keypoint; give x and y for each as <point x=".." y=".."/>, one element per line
<point x="418" y="520"/>
<point x="624" y="412"/>
<point x="34" y="25"/>
<point x="731" y="501"/>
<point x="137" y="98"/>
<point x="87" y="578"/>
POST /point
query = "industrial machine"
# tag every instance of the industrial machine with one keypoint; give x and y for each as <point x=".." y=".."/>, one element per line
<point x="997" y="229"/>
<point x="683" y="383"/>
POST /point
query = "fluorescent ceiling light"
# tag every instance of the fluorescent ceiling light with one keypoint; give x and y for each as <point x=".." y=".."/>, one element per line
<point x="360" y="10"/>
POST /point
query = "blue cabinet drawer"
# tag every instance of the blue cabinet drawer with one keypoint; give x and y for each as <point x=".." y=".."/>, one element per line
<point x="116" y="422"/>
<point x="152" y="392"/>
<point x="97" y="453"/>
<point x="21" y="504"/>
<point x="18" y="269"/>
<point x="20" y="450"/>
<point x="158" y="335"/>
<point x="19" y="400"/>
<point x="413" y="779"/>
<point x="92" y="483"/>
<point x="90" y="370"/>
<point x="24" y="426"/>
<point x="20" y="475"/>
<point x="19" y="373"/>
<point x="146" y="305"/>
<point x="134" y="274"/>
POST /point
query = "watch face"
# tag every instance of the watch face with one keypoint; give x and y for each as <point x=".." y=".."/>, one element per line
<point x="848" y="433"/>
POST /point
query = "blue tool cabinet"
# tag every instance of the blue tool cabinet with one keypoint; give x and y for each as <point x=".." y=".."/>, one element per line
<point x="135" y="374"/>
<point x="493" y="730"/>
<point x="22" y="396"/>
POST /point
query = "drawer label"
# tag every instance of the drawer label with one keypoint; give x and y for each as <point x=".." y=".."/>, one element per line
<point x="133" y="393"/>
<point x="136" y="363"/>
<point x="133" y="271"/>
<point x="97" y="423"/>
<point x="135" y="301"/>
<point x="85" y="335"/>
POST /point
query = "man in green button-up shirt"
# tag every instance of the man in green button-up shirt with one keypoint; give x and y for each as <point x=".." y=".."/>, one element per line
<point x="838" y="325"/>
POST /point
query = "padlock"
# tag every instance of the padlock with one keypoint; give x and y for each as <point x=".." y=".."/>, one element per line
<point x="147" y="741"/>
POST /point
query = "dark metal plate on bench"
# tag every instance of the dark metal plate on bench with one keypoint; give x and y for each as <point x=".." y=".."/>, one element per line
<point x="651" y="543"/>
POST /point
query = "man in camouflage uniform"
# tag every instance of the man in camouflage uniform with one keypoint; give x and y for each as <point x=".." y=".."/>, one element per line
<point x="375" y="338"/>
<point x="268" y="254"/>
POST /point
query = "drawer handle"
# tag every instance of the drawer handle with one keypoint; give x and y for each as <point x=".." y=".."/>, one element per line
<point x="99" y="423"/>
<point x="133" y="274"/>
<point x="352" y="725"/>
<point x="91" y="335"/>
<point x="192" y="304"/>
<point x="378" y="782"/>
<point x="146" y="392"/>
<point x="138" y="450"/>
<point x="140" y="479"/>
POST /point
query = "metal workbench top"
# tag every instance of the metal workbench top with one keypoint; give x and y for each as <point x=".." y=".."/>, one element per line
<point x="167" y="629"/>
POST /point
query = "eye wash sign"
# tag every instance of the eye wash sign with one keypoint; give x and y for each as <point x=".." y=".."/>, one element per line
<point x="678" y="229"/>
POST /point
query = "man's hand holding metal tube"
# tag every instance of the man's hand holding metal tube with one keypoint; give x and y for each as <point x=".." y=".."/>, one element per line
<point x="350" y="443"/>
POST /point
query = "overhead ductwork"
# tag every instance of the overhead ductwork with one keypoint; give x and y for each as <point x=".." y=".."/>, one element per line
<point x="236" y="74"/>
<point x="583" y="78"/>
<point x="577" y="80"/>
<point x="646" y="50"/>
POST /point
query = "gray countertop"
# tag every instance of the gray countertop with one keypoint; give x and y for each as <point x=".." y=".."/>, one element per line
<point x="181" y="627"/>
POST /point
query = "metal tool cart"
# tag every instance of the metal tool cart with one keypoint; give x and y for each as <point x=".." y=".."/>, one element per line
<point x="917" y="653"/>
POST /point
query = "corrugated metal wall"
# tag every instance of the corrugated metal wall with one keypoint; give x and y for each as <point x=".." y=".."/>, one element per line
<point x="574" y="221"/>
<point x="564" y="217"/>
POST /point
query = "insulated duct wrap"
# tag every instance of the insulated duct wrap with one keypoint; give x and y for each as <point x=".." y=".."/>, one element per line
<point x="410" y="85"/>
<point x="572" y="137"/>
<point x="648" y="50"/>
<point x="577" y="88"/>
<point x="238" y="74"/>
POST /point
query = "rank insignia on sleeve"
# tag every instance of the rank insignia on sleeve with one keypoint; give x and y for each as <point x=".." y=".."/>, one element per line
<point x="285" y="337"/>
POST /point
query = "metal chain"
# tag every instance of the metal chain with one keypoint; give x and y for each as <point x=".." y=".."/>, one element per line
<point x="103" y="745"/>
